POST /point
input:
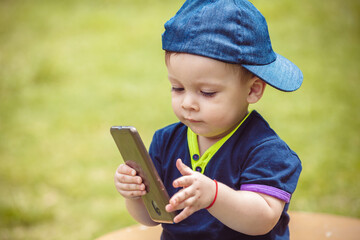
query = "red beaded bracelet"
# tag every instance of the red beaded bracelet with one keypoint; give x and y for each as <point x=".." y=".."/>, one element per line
<point x="216" y="193"/>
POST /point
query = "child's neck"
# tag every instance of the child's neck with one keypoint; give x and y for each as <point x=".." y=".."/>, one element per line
<point x="205" y="143"/>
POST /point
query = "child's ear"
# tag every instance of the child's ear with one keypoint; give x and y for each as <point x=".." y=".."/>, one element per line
<point x="257" y="87"/>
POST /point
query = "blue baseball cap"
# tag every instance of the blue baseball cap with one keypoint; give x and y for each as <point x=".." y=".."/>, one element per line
<point x="233" y="32"/>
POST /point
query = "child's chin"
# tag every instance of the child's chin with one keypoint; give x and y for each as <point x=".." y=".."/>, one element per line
<point x="204" y="133"/>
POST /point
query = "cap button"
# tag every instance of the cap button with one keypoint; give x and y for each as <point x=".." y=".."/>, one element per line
<point x="196" y="157"/>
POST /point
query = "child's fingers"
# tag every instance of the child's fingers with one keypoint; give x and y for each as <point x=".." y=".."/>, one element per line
<point x="188" y="202"/>
<point x="184" y="214"/>
<point x="128" y="179"/>
<point x="181" y="196"/>
<point x="183" y="169"/>
<point x="127" y="183"/>
<point x="131" y="190"/>
<point x="126" y="174"/>
<point x="184" y="181"/>
<point x="125" y="169"/>
<point x="132" y="194"/>
<point x="130" y="187"/>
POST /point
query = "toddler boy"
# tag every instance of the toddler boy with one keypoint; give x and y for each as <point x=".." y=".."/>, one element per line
<point x="235" y="174"/>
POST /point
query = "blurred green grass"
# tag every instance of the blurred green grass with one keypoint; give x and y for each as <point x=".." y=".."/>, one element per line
<point x="71" y="69"/>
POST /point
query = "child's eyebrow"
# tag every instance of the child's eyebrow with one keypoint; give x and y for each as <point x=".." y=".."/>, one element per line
<point x="209" y="83"/>
<point x="172" y="78"/>
<point x="206" y="82"/>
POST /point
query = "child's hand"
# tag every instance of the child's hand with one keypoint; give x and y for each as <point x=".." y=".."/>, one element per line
<point x="198" y="192"/>
<point x="127" y="183"/>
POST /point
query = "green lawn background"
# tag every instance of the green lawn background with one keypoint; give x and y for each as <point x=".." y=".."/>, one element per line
<point x="71" y="69"/>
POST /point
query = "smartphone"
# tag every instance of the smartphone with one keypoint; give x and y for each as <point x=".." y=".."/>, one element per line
<point x="135" y="155"/>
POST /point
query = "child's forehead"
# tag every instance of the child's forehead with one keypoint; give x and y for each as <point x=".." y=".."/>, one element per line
<point x="204" y="71"/>
<point x="175" y="60"/>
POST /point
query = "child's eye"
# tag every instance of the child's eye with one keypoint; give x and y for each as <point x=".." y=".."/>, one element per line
<point x="208" y="94"/>
<point x="177" y="89"/>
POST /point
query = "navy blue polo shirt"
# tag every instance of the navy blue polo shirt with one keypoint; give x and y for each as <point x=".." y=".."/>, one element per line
<point x="254" y="159"/>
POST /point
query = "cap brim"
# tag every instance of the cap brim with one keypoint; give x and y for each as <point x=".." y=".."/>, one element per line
<point x="281" y="74"/>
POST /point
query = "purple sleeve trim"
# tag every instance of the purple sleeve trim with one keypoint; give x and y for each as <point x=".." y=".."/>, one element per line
<point x="272" y="191"/>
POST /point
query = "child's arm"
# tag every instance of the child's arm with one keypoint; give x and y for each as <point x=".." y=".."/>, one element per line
<point x="255" y="213"/>
<point x="246" y="212"/>
<point x="131" y="188"/>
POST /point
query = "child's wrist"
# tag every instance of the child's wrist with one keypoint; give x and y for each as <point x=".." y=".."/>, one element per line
<point x="216" y="193"/>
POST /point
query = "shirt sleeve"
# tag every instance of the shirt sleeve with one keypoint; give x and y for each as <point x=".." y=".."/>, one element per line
<point x="271" y="168"/>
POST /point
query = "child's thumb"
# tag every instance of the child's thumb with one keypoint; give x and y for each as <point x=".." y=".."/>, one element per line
<point x="183" y="169"/>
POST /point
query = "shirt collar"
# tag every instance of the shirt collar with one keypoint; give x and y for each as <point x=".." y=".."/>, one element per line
<point x="198" y="162"/>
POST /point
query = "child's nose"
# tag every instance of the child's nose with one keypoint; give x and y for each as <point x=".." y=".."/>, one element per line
<point x="189" y="103"/>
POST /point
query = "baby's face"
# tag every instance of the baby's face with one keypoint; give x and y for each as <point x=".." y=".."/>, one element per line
<point x="207" y="95"/>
